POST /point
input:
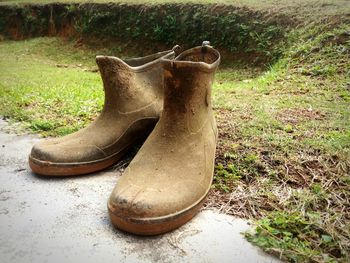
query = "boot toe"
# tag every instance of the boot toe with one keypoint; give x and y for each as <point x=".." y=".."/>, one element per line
<point x="147" y="211"/>
<point x="64" y="154"/>
<point x="146" y="203"/>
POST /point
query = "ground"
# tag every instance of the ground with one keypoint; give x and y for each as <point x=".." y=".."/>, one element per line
<point x="283" y="156"/>
<point x="66" y="220"/>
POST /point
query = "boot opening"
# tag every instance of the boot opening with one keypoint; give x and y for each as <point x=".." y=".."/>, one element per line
<point x="136" y="62"/>
<point x="200" y="54"/>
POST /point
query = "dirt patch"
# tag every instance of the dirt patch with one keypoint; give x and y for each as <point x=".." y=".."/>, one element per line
<point x="295" y="116"/>
<point x="266" y="192"/>
<point x="254" y="177"/>
<point x="66" y="31"/>
<point x="226" y="124"/>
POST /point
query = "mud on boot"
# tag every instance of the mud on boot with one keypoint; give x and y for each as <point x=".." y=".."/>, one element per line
<point x="133" y="103"/>
<point x="166" y="183"/>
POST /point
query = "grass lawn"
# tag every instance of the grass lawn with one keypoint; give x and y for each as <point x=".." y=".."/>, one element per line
<point x="283" y="157"/>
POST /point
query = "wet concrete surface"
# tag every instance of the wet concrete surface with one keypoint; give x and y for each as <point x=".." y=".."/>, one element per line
<point x="66" y="220"/>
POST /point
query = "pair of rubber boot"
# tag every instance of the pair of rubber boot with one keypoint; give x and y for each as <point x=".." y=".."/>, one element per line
<point x="165" y="98"/>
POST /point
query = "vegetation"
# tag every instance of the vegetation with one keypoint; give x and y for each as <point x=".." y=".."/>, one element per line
<point x="283" y="155"/>
<point x="284" y="151"/>
<point x="233" y="30"/>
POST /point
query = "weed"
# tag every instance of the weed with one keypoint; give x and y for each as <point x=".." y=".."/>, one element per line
<point x="295" y="237"/>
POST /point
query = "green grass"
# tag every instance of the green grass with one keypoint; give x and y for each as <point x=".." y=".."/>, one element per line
<point x="47" y="98"/>
<point x="283" y="156"/>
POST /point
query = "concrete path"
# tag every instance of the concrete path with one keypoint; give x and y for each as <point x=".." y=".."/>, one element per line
<point x="66" y="220"/>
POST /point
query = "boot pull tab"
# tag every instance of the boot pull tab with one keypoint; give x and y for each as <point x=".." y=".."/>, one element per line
<point x="205" y="44"/>
<point x="177" y="49"/>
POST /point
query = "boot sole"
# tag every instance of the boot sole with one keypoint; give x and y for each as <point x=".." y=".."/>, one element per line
<point x="157" y="225"/>
<point x="72" y="169"/>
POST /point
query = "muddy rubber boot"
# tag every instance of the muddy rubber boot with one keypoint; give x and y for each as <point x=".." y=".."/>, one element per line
<point x="167" y="182"/>
<point x="133" y="103"/>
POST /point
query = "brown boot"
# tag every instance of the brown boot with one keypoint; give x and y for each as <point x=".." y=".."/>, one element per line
<point x="166" y="183"/>
<point x="133" y="103"/>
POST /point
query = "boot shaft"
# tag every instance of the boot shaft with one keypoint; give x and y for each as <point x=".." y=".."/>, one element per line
<point x="130" y="85"/>
<point x="188" y="83"/>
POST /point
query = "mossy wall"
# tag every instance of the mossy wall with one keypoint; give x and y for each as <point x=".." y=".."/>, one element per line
<point x="236" y="30"/>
